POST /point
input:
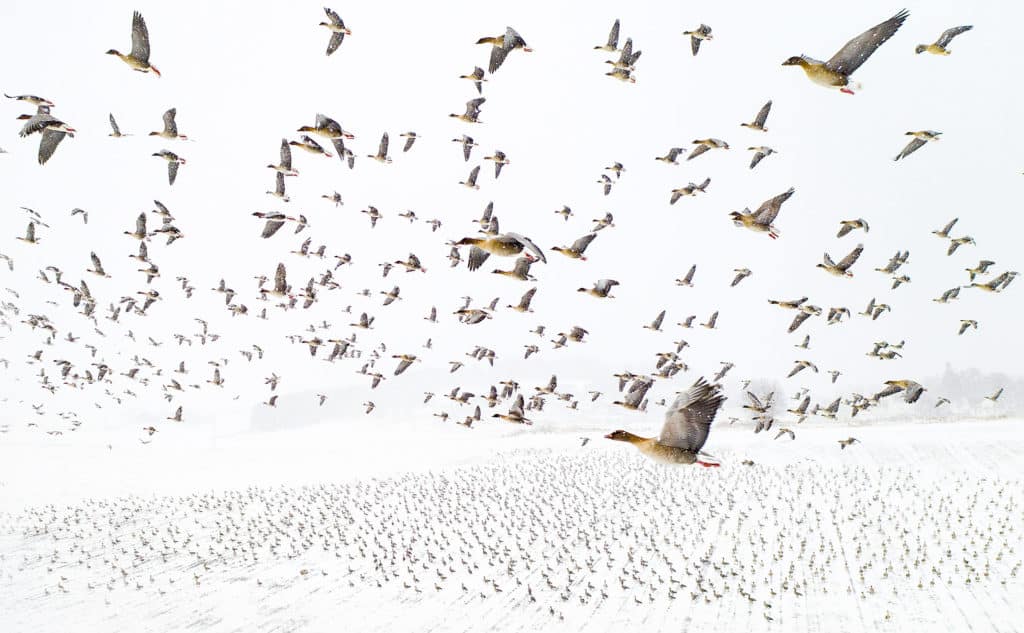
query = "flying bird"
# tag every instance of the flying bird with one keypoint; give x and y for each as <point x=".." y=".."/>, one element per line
<point x="138" y="58"/>
<point x="835" y="73"/>
<point x="920" y="140"/>
<point x="698" y="35"/>
<point x="337" y="28"/>
<point x="502" y="45"/>
<point x="939" y="47"/>
<point x="687" y="425"/>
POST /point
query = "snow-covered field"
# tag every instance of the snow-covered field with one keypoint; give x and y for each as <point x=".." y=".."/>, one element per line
<point x="917" y="528"/>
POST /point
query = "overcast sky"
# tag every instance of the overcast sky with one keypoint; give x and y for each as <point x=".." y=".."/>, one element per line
<point x="245" y="75"/>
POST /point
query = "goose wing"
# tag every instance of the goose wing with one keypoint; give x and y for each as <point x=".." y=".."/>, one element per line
<point x="688" y="420"/>
<point x="856" y="51"/>
<point x="140" y="38"/>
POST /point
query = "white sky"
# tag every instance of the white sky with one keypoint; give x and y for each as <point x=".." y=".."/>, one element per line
<point x="243" y="76"/>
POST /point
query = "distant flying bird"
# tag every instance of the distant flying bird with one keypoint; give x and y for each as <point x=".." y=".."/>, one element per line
<point x="502" y="45"/>
<point x="698" y="35"/>
<point x="995" y="396"/>
<point x="920" y="140"/>
<point x="911" y="390"/>
<point x="939" y="46"/>
<point x="382" y="151"/>
<point x="835" y="73"/>
<point x="173" y="161"/>
<point x="687" y="425"/>
<point x="578" y="247"/>
<point x="138" y="58"/>
<point x="762" y="219"/>
<point x="337" y="28"/>
<point x="410" y="138"/>
<point x="477" y="77"/>
<point x="741" y="274"/>
<point x="944" y="231"/>
<point x="848" y="225"/>
<point x="842" y="269"/>
<point x="759" y="120"/>
<point x="115" y="131"/>
<point x="170" y="130"/>
<point x="612" y="44"/>
<point x="472" y="114"/>
<point x="601" y="289"/>
<point x="967" y="323"/>
<point x="760" y="153"/>
<point x="706" y="144"/>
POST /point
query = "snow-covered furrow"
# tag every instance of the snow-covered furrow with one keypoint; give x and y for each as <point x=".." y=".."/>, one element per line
<point x="543" y="539"/>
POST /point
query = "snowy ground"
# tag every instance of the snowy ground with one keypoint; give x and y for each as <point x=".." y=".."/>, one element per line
<point x="918" y="528"/>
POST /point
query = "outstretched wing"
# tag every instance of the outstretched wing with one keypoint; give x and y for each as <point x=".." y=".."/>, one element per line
<point x="851" y="257"/>
<point x="762" y="115"/>
<point x="140" y="38"/>
<point x="688" y="420"/>
<point x="528" y="243"/>
<point x="914" y="145"/>
<point x="477" y="257"/>
<point x="948" y="35"/>
<point x="856" y="51"/>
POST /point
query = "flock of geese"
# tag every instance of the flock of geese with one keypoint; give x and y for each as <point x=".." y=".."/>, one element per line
<point x="496" y="544"/>
<point x="688" y="418"/>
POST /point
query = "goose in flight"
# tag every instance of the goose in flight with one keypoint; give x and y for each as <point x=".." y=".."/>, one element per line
<point x="327" y="127"/>
<point x="404" y="362"/>
<point x="281" y="287"/>
<point x="524" y="301"/>
<point x="835" y="73"/>
<point x="920" y="139"/>
<point x="499" y="161"/>
<point x="285" y="167"/>
<point x="502" y="45"/>
<point x="967" y="323"/>
<point x="578" y="247"/>
<point x="30" y="235"/>
<point x="515" y="413"/>
<point x="762" y="219"/>
<point x="382" y="151"/>
<point x="706" y="144"/>
<point x="612" y="44"/>
<point x="602" y="288"/>
<point x="689" y="190"/>
<point x="687" y="425"/>
<point x="759" y="120"/>
<point x="472" y="113"/>
<point x="337" y="28"/>
<point x="741" y="274"/>
<point x="138" y="58"/>
<point x="505" y="245"/>
<point x="115" y="131"/>
<point x="173" y="161"/>
<point x="520" y="271"/>
<point x="845" y="226"/>
<point x="939" y="47"/>
<point x="170" y="130"/>
<point x="842" y="269"/>
<point x="850" y="441"/>
<point x="957" y="242"/>
<point x="760" y="153"/>
<point x="911" y="390"/>
<point x="698" y="35"/>
<point x="477" y="77"/>
<point x="944" y="231"/>
<point x="470" y="181"/>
